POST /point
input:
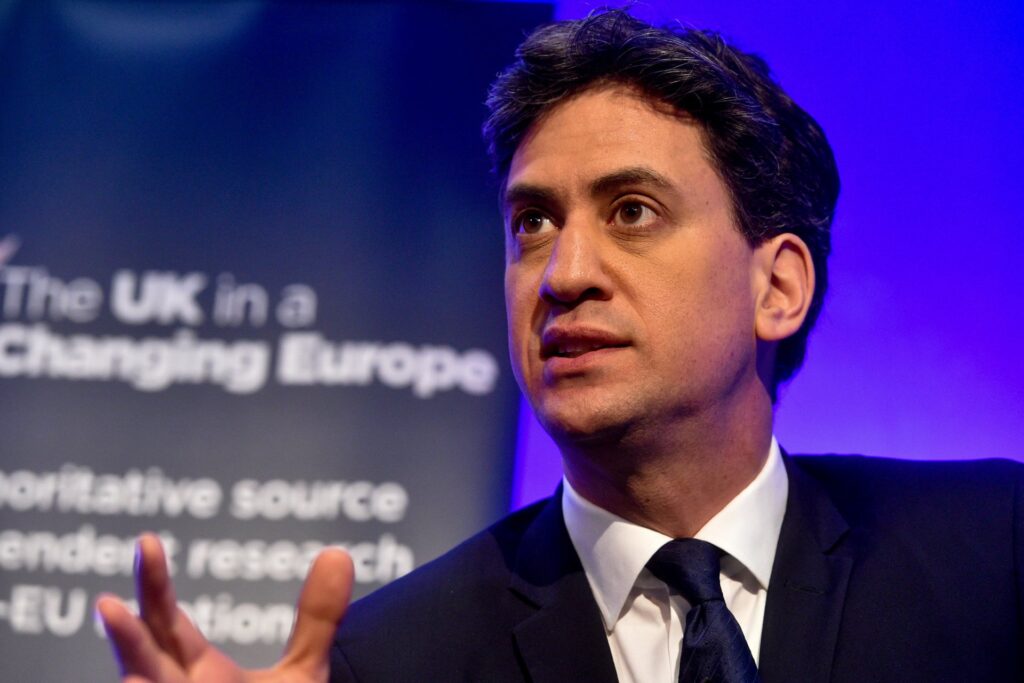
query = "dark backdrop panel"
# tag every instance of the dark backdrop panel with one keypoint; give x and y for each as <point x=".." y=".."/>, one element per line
<point x="251" y="300"/>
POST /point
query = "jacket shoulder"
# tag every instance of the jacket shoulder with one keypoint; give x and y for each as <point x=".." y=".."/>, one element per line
<point x="939" y="546"/>
<point x="857" y="480"/>
<point x="482" y="562"/>
<point x="839" y="463"/>
<point x="461" y="597"/>
<point x="940" y="498"/>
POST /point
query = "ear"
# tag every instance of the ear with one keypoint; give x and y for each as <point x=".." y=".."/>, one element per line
<point x="785" y="281"/>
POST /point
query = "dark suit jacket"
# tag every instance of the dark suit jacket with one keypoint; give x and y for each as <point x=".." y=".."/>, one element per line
<point x="886" y="570"/>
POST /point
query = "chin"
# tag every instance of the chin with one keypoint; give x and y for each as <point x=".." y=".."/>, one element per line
<point x="581" y="424"/>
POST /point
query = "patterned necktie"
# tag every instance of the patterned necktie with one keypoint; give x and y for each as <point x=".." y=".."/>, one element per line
<point x="714" y="648"/>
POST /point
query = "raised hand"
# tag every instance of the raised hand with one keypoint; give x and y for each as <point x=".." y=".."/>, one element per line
<point x="163" y="646"/>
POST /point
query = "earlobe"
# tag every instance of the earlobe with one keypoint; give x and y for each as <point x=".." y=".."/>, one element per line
<point x="788" y="286"/>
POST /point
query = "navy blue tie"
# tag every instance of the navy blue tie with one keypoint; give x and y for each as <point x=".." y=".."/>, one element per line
<point x="714" y="649"/>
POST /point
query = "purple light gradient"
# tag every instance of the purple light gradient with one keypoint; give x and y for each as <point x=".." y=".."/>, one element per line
<point x="917" y="354"/>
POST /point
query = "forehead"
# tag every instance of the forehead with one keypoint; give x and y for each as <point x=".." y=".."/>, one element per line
<point x="605" y="129"/>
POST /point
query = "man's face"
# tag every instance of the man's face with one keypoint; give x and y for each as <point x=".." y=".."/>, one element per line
<point x="630" y="292"/>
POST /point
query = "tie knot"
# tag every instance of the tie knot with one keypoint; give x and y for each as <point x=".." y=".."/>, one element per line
<point x="691" y="567"/>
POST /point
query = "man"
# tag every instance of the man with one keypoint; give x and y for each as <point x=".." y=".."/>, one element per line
<point x="667" y="211"/>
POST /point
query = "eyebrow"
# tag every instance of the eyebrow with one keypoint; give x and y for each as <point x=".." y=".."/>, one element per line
<point x="527" y="193"/>
<point x="633" y="175"/>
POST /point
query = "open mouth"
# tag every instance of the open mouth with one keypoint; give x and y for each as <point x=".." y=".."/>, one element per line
<point x="575" y="350"/>
<point x="566" y="343"/>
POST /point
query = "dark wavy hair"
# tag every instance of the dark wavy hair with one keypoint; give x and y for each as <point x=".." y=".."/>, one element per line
<point x="770" y="153"/>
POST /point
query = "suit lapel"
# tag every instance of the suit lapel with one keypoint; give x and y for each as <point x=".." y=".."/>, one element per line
<point x="564" y="639"/>
<point x="807" y="588"/>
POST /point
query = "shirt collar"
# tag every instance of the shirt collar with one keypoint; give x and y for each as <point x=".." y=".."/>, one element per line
<point x="614" y="551"/>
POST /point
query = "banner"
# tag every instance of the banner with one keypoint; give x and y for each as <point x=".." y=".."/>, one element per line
<point x="250" y="299"/>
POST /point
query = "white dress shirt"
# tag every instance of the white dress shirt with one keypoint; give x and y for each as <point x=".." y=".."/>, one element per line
<point x="643" y="619"/>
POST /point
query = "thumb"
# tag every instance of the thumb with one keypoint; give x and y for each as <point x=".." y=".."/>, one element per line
<point x="322" y="603"/>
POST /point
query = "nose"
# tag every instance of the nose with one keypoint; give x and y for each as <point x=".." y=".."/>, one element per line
<point x="575" y="270"/>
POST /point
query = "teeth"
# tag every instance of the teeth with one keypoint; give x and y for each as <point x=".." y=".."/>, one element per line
<point x="576" y="349"/>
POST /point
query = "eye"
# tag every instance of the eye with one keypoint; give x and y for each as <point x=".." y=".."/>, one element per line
<point x="634" y="214"/>
<point x="531" y="222"/>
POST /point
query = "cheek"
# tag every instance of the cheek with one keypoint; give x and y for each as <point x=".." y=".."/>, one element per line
<point x="519" y="304"/>
<point x="513" y="298"/>
<point x="703" y="304"/>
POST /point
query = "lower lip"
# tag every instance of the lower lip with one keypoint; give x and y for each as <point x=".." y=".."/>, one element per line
<point x="563" y="366"/>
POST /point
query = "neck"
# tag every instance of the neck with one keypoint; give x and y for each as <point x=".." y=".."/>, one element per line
<point x="673" y="479"/>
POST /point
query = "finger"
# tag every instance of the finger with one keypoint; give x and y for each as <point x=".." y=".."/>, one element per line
<point x="172" y="630"/>
<point x="322" y="603"/>
<point x="158" y="604"/>
<point x="135" y="650"/>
